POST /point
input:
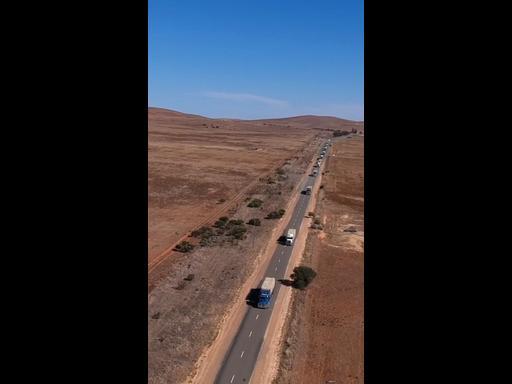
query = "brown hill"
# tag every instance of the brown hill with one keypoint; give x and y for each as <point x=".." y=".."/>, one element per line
<point x="307" y="122"/>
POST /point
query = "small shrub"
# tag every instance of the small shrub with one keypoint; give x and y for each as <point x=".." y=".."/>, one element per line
<point x="303" y="276"/>
<point x="221" y="223"/>
<point x="190" y="277"/>
<point x="311" y="214"/>
<point x="221" y="201"/>
<point x="184" y="247"/>
<point x="276" y="214"/>
<point x="280" y="171"/>
<point x="255" y="222"/>
<point x="317" y="221"/>
<point x="255" y="203"/>
<point x="219" y="231"/>
<point x="232" y="223"/>
<point x="201" y="231"/>
<point x="238" y="232"/>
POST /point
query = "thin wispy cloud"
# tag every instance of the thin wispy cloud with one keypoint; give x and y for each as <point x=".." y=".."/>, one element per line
<point x="344" y="111"/>
<point x="243" y="97"/>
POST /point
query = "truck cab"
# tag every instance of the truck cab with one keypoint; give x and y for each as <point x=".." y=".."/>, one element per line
<point x="290" y="236"/>
<point x="267" y="287"/>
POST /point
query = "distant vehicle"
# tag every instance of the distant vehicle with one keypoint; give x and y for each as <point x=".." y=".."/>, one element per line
<point x="308" y="190"/>
<point x="290" y="236"/>
<point x="267" y="287"/>
<point x="315" y="172"/>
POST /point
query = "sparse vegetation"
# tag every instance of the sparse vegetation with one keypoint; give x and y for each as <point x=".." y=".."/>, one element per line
<point x="311" y="214"/>
<point x="220" y="201"/>
<point x="190" y="277"/>
<point x="184" y="247"/>
<point x="201" y="232"/>
<point x="255" y="203"/>
<point x="255" y="222"/>
<point x="232" y="223"/>
<point x="221" y="223"/>
<point x="302" y="276"/>
<point x="317" y="224"/>
<point x="280" y="171"/>
<point x="238" y="231"/>
<point x="276" y="214"/>
<point x="340" y="133"/>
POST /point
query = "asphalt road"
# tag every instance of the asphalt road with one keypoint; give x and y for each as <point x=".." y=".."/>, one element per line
<point x="241" y="358"/>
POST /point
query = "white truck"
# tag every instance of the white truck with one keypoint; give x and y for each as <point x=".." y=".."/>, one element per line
<point x="290" y="236"/>
<point x="308" y="190"/>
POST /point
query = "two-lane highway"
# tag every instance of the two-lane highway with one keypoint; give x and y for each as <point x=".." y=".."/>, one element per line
<point x="241" y="357"/>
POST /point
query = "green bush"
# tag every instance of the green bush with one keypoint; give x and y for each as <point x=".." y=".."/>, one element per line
<point x="201" y="231"/>
<point x="238" y="232"/>
<point x="232" y="223"/>
<point x="221" y="223"/>
<point x="276" y="214"/>
<point x="302" y="276"/>
<point x="255" y="203"/>
<point x="184" y="246"/>
<point x="255" y="222"/>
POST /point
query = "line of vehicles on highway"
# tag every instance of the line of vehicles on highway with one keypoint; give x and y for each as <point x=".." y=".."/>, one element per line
<point x="267" y="286"/>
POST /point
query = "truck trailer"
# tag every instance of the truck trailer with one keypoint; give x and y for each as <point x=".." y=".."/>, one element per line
<point x="290" y="236"/>
<point x="267" y="287"/>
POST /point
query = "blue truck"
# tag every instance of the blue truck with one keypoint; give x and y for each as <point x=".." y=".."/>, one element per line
<point x="265" y="295"/>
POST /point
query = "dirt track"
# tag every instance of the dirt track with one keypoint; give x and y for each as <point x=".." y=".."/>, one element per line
<point x="324" y="336"/>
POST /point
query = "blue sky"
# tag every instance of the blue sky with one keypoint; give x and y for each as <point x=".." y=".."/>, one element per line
<point x="257" y="59"/>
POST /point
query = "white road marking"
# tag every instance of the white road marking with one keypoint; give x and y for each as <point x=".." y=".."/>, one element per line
<point x="242" y="355"/>
<point x="232" y="379"/>
<point x="278" y="260"/>
<point x="276" y="269"/>
<point x="250" y="333"/>
<point x="258" y="315"/>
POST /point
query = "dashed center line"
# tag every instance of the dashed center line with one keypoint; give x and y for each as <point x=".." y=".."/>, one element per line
<point x="258" y="315"/>
<point x="278" y="260"/>
<point x="250" y="333"/>
<point x="276" y="269"/>
<point x="232" y="379"/>
<point x="242" y="355"/>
